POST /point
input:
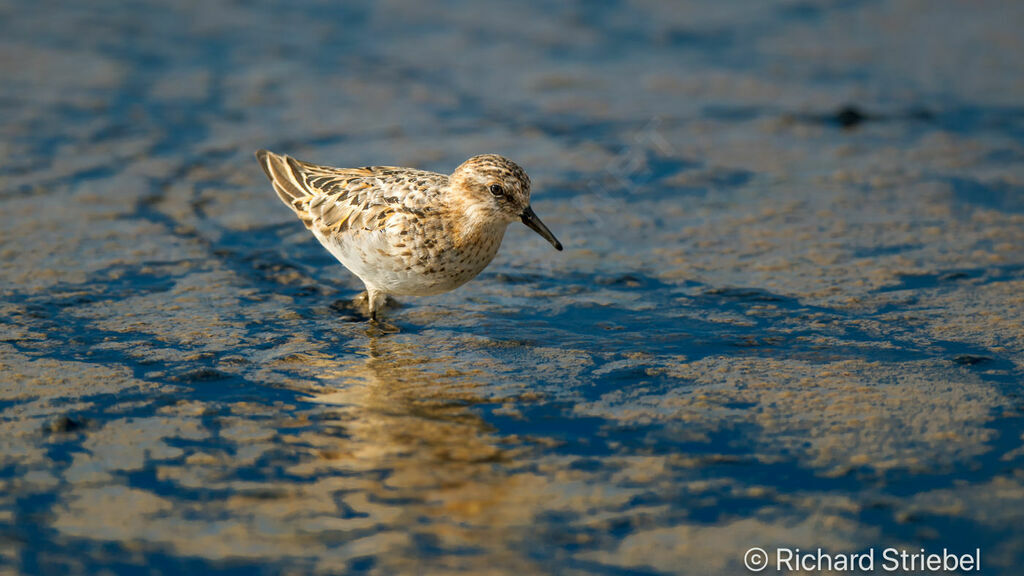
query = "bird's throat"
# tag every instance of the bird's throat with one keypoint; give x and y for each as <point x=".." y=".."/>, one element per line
<point x="478" y="229"/>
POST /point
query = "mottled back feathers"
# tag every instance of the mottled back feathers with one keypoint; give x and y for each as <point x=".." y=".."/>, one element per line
<point x="336" y="200"/>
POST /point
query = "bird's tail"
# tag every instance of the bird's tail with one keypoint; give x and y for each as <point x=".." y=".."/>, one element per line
<point x="283" y="172"/>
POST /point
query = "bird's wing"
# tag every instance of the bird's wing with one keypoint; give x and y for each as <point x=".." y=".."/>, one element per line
<point x="336" y="200"/>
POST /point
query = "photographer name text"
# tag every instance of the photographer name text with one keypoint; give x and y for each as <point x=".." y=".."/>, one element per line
<point x="886" y="560"/>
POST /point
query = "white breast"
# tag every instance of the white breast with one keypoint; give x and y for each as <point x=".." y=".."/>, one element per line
<point x="381" y="266"/>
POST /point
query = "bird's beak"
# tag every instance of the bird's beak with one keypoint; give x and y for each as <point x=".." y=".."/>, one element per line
<point x="531" y="220"/>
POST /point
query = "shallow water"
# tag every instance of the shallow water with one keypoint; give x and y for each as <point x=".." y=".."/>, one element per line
<point x="790" y="312"/>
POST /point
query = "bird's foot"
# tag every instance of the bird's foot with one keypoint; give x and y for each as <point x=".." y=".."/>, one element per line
<point x="378" y="327"/>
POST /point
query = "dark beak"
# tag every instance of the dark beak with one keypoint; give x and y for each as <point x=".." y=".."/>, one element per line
<point x="531" y="220"/>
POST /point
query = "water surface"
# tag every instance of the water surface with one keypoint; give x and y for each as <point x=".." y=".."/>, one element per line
<point x="790" y="311"/>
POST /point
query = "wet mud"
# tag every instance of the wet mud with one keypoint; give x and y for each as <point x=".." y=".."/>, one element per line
<point x="790" y="311"/>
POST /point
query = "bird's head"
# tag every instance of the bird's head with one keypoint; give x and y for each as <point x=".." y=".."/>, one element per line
<point x="495" y="188"/>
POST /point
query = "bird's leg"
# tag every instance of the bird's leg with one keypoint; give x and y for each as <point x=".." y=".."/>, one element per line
<point x="375" y="299"/>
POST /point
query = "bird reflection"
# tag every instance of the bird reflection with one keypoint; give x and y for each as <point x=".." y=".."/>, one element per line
<point x="407" y="412"/>
<point x="410" y="455"/>
<point x="406" y="417"/>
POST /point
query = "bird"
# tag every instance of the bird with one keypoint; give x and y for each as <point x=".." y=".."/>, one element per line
<point x="404" y="231"/>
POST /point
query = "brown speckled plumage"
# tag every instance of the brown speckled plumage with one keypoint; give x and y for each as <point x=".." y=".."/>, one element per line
<point x="404" y="231"/>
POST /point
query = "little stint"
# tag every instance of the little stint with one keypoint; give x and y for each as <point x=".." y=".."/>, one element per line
<point x="404" y="231"/>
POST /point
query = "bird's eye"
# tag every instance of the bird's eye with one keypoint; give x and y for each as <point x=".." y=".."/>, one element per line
<point x="497" y="190"/>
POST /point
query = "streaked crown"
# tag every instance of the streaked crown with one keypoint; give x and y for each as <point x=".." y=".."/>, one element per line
<point x="493" y="184"/>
